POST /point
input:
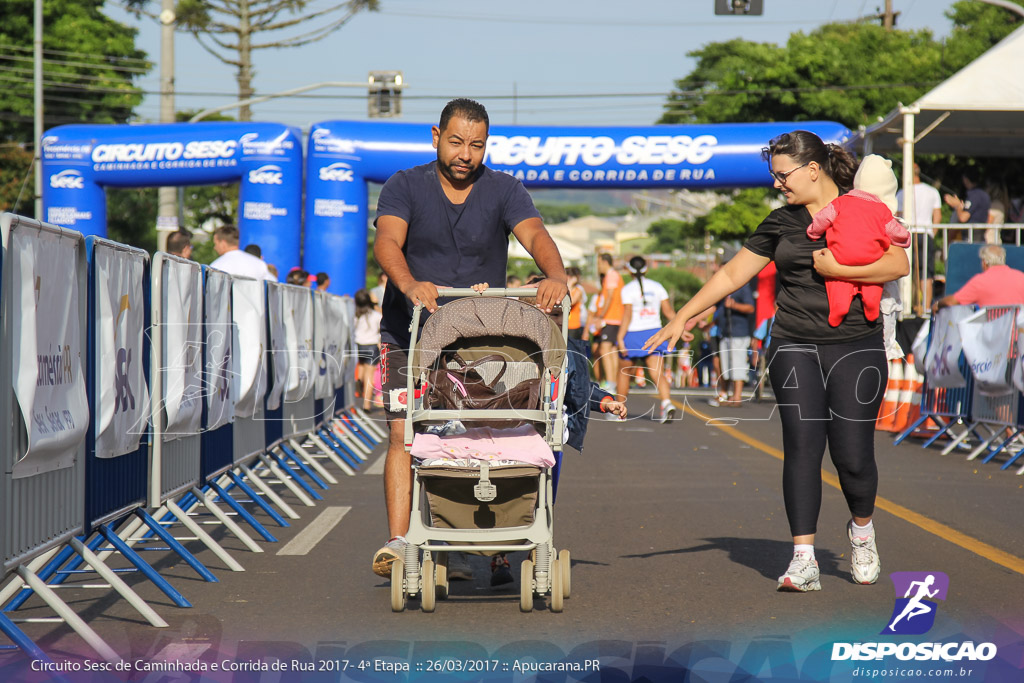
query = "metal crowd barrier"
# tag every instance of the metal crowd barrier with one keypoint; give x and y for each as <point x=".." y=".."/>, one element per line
<point x="988" y="424"/>
<point x="109" y="474"/>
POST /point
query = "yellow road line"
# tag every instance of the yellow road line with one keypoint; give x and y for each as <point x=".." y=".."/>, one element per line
<point x="944" y="532"/>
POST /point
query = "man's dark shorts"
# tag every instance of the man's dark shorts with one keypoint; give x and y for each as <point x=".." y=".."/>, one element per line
<point x="394" y="367"/>
<point x="609" y="333"/>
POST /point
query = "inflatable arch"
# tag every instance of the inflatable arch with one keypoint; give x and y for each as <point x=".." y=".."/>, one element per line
<point x="79" y="161"/>
<point x="343" y="156"/>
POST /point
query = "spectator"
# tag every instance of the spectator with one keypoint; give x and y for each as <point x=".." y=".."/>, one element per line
<point x="513" y="281"/>
<point x="377" y="293"/>
<point x="179" y="243"/>
<point x="927" y="211"/>
<point x="272" y="269"/>
<point x="255" y="250"/>
<point x="996" y="285"/>
<point x="297" y="276"/>
<point x="323" y="281"/>
<point x="974" y="207"/>
<point x="733" y="316"/>
<point x="233" y="260"/>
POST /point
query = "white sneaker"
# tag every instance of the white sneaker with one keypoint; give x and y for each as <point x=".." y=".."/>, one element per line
<point x="802" y="575"/>
<point x="864" y="563"/>
<point x="385" y="557"/>
<point x="668" y="412"/>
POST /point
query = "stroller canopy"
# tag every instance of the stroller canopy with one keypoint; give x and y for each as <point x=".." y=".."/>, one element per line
<point x="475" y="317"/>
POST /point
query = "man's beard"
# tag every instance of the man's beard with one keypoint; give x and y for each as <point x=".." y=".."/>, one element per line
<point x="449" y="172"/>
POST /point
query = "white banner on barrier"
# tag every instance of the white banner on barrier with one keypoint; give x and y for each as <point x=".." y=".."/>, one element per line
<point x="347" y="307"/>
<point x="220" y="400"/>
<point x="47" y="373"/>
<point x="182" y="361"/>
<point x="278" y="345"/>
<point x="942" y="364"/>
<point x="1018" y="368"/>
<point x="322" y="347"/>
<point x="250" y="367"/>
<point x="337" y="334"/>
<point x="298" y="327"/>
<point x="122" y="414"/>
<point x="987" y="350"/>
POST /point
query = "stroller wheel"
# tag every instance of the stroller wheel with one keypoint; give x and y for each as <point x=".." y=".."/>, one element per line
<point x="566" y="565"/>
<point x="397" y="585"/>
<point x="428" y="597"/>
<point x="556" y="586"/>
<point x="526" y="587"/>
<point x="441" y="571"/>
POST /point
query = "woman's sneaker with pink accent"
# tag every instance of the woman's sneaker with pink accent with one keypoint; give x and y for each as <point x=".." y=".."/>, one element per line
<point x="802" y="575"/>
<point x="864" y="563"/>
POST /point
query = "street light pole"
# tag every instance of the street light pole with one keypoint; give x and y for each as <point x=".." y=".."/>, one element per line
<point x="37" y="95"/>
<point x="167" y="197"/>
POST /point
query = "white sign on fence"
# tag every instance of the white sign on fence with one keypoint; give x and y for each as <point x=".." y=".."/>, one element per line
<point x="298" y="327"/>
<point x="941" y="365"/>
<point x="338" y="334"/>
<point x="182" y="360"/>
<point x="278" y="345"/>
<point x="122" y="411"/>
<point x="250" y="379"/>
<point x="220" y="400"/>
<point x="48" y="381"/>
<point x="987" y="350"/>
<point x="322" y="347"/>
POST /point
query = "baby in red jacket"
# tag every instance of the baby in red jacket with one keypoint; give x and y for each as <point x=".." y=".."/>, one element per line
<point x="859" y="227"/>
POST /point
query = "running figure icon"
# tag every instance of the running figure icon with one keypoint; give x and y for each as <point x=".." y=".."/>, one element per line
<point x="916" y="607"/>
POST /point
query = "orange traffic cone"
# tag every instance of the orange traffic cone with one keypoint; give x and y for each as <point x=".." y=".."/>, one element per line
<point x="909" y="409"/>
<point x="890" y="403"/>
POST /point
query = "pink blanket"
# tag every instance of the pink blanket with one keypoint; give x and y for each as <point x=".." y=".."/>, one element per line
<point x="484" y="443"/>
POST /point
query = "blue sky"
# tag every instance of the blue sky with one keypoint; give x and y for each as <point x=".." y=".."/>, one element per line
<point x="491" y="50"/>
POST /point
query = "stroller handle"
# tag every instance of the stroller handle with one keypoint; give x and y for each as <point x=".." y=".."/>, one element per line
<point x="491" y="291"/>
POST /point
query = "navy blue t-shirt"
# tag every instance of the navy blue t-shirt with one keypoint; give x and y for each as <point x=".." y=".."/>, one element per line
<point x="733" y="323"/>
<point x="454" y="245"/>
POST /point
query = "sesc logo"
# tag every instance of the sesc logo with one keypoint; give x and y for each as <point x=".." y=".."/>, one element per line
<point x="267" y="175"/>
<point x="67" y="180"/>
<point x="914" y="613"/>
<point x="339" y="172"/>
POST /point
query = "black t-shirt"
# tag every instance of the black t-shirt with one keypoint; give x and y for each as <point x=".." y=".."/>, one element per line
<point x="454" y="245"/>
<point x="801" y="298"/>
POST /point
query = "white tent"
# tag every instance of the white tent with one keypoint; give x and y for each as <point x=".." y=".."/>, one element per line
<point x="978" y="111"/>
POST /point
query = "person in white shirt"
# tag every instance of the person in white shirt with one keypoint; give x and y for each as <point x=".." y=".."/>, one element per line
<point x="233" y="260"/>
<point x="643" y="303"/>
<point x="927" y="211"/>
<point x="367" y="338"/>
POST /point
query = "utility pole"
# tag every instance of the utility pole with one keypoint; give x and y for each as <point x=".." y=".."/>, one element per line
<point x="167" y="197"/>
<point x="37" y="95"/>
<point x="890" y="18"/>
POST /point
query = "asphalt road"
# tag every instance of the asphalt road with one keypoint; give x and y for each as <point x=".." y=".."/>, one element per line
<point x="677" y="534"/>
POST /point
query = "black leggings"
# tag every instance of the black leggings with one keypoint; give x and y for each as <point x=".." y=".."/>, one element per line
<point x="828" y="393"/>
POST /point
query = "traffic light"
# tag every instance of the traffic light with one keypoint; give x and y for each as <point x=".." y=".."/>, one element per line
<point x="385" y="94"/>
<point x="739" y="7"/>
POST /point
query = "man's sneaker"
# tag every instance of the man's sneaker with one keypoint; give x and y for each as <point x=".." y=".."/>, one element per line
<point x="385" y="557"/>
<point x="802" y="575"/>
<point x="458" y="568"/>
<point x="667" y="413"/>
<point x="864" y="561"/>
<point x="501" y="573"/>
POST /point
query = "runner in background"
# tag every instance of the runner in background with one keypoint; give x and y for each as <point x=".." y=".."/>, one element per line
<point x="643" y="302"/>
<point x="576" y="296"/>
<point x="609" y="318"/>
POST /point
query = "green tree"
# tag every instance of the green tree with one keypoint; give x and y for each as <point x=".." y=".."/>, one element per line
<point x="739" y="215"/>
<point x="849" y="73"/>
<point x="16" y="188"/>
<point x="89" y="64"/>
<point x="231" y="30"/>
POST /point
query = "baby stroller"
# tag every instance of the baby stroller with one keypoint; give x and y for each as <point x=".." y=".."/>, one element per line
<point x="493" y="503"/>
